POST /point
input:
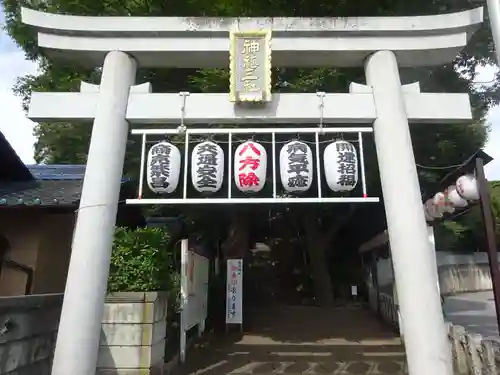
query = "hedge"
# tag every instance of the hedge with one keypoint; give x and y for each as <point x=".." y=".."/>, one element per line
<point x="141" y="262"/>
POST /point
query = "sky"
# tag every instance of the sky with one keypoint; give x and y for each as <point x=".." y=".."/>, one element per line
<point x="19" y="130"/>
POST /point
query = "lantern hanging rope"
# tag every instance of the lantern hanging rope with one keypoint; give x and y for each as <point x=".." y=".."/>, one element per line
<point x="182" y="127"/>
<point x="321" y="107"/>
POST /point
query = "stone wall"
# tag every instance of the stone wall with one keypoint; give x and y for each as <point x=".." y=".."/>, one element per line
<point x="28" y="328"/>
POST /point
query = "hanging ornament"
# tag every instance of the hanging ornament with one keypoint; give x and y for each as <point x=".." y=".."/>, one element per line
<point x="296" y="166"/>
<point x="467" y="187"/>
<point x="250" y="167"/>
<point x="454" y="198"/>
<point x="341" y="166"/>
<point x="163" y="167"/>
<point x="207" y="167"/>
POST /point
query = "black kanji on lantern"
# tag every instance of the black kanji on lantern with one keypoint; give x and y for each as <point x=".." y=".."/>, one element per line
<point x="346" y="158"/>
<point x="297" y="163"/>
<point x="160" y="165"/>
<point x="206" y="165"/>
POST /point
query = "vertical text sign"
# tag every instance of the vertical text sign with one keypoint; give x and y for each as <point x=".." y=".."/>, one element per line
<point x="250" y="66"/>
<point x="234" y="302"/>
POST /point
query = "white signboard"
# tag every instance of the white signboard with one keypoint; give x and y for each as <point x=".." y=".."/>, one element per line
<point x="354" y="290"/>
<point x="234" y="292"/>
<point x="194" y="293"/>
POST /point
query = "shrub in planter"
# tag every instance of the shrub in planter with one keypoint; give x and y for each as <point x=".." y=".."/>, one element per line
<point x="141" y="262"/>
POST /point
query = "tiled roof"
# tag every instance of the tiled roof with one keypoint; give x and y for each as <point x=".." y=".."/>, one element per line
<point x="57" y="172"/>
<point x="41" y="193"/>
<point x="53" y="185"/>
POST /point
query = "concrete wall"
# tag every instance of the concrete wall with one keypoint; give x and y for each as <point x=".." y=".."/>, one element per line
<point x="462" y="278"/>
<point x="457" y="273"/>
<point x="28" y="339"/>
<point x="54" y="250"/>
<point x="133" y="336"/>
<point x="38" y="240"/>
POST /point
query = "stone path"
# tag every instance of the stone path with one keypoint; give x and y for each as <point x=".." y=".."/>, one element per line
<point x="301" y="340"/>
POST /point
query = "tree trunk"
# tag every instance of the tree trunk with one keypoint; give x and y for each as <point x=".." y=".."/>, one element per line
<point x="318" y="243"/>
<point x="316" y="250"/>
<point x="322" y="283"/>
<point x="236" y="243"/>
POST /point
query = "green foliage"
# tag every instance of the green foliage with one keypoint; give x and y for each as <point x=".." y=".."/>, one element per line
<point x="141" y="262"/>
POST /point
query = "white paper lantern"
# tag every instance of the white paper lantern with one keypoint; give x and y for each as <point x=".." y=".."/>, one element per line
<point x="467" y="187"/>
<point x="296" y="166"/>
<point x="250" y="166"/>
<point x="341" y="166"/>
<point x="442" y="204"/>
<point x="207" y="167"/>
<point x="163" y="167"/>
<point x="432" y="210"/>
<point x="454" y="198"/>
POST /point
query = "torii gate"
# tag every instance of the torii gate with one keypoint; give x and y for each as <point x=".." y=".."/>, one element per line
<point x="380" y="44"/>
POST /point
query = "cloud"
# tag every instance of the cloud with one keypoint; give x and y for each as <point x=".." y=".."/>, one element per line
<point x="14" y="125"/>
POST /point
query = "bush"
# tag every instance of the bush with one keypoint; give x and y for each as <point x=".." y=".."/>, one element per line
<point x="141" y="262"/>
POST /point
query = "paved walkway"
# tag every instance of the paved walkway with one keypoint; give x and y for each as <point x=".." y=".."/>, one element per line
<point x="302" y="340"/>
<point x="474" y="311"/>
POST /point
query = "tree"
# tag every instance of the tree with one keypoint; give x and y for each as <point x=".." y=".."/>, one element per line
<point x="68" y="143"/>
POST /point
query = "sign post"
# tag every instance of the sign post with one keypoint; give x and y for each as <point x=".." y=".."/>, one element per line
<point x="234" y="293"/>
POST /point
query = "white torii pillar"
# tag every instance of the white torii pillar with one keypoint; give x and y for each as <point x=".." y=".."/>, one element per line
<point x="80" y="324"/>
<point x="426" y="343"/>
<point x="195" y="43"/>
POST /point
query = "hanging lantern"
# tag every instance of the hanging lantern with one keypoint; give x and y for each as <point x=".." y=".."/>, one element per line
<point x="432" y="210"/>
<point x="163" y="167"/>
<point x="341" y="166"/>
<point x="454" y="198"/>
<point x="207" y="167"/>
<point x="467" y="187"/>
<point x="438" y="203"/>
<point x="296" y="166"/>
<point x="442" y="202"/>
<point x="250" y="166"/>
